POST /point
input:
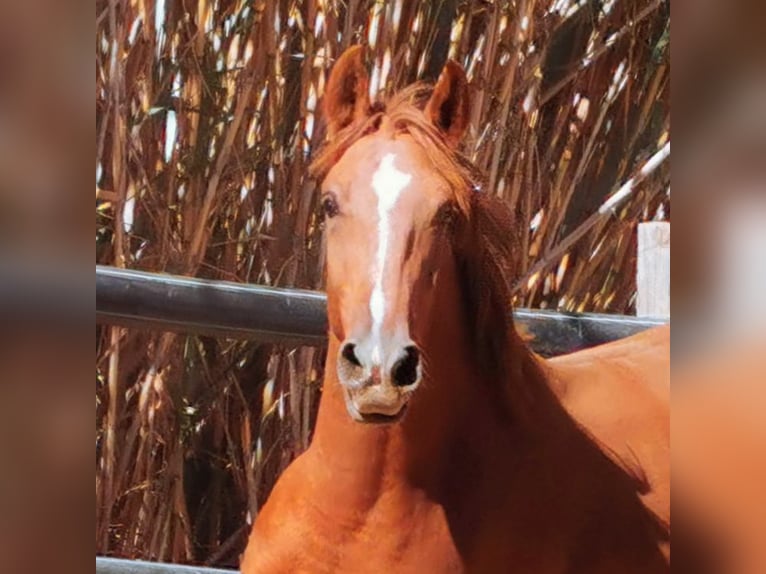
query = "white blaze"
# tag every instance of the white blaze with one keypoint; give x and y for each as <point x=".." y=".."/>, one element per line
<point x="388" y="183"/>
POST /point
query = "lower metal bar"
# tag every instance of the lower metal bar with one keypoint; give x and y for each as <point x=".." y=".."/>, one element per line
<point x="119" y="566"/>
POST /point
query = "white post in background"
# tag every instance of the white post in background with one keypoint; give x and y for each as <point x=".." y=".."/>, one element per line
<point x="653" y="272"/>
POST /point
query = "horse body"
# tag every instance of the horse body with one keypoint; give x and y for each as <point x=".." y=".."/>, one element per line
<point x="483" y="498"/>
<point x="442" y="443"/>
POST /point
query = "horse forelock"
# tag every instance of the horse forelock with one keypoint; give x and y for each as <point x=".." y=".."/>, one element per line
<point x="403" y="113"/>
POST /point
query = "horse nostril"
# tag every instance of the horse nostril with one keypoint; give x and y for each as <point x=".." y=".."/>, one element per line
<point x="405" y="371"/>
<point x="349" y="353"/>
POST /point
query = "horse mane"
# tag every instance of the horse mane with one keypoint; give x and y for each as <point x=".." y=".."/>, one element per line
<point x="484" y="240"/>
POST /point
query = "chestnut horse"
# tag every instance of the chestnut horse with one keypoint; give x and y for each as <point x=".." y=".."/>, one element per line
<point x="442" y="443"/>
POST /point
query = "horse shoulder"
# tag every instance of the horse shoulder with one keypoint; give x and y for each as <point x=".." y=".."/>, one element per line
<point x="281" y="531"/>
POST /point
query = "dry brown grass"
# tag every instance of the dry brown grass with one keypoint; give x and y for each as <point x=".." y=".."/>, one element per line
<point x="204" y="125"/>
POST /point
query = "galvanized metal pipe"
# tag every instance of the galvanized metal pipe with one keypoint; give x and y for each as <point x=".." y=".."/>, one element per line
<point x="294" y="316"/>
<point x="217" y="308"/>
<point x="119" y="566"/>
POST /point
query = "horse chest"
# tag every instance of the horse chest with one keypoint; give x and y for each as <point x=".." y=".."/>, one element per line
<point x="411" y="547"/>
<point x="309" y="536"/>
<point x="318" y="532"/>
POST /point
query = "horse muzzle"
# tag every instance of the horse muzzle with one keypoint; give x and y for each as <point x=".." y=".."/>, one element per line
<point x="375" y="393"/>
<point x="379" y="402"/>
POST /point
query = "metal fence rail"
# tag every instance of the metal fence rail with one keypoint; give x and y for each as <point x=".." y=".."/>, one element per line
<point x="216" y="308"/>
<point x="295" y="316"/>
<point x="118" y="566"/>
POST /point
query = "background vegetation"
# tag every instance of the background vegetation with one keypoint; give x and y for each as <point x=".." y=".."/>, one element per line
<point x="206" y="116"/>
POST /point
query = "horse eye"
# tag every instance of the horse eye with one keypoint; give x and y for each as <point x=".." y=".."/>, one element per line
<point x="330" y="205"/>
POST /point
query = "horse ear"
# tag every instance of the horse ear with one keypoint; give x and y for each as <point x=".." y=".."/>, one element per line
<point x="448" y="107"/>
<point x="346" y="97"/>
